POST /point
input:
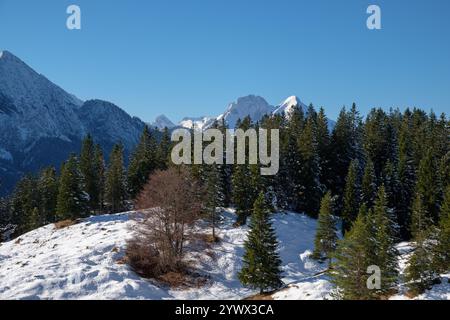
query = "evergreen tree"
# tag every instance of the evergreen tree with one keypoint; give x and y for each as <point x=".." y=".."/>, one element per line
<point x="311" y="188"/>
<point x="89" y="173"/>
<point x="406" y="178"/>
<point x="261" y="263"/>
<point x="100" y="172"/>
<point x="385" y="252"/>
<point x="353" y="257"/>
<point x="71" y="200"/>
<point x="352" y="196"/>
<point x="326" y="234"/>
<point x="240" y="193"/>
<point x="324" y="149"/>
<point x="143" y="162"/>
<point x="115" y="185"/>
<point x="48" y="192"/>
<point x="428" y="185"/>
<point x="421" y="269"/>
<point x="214" y="198"/>
<point x="163" y="150"/>
<point x="369" y="185"/>
<point x="442" y="252"/>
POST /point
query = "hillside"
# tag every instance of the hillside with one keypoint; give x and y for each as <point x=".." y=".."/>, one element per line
<point x="84" y="262"/>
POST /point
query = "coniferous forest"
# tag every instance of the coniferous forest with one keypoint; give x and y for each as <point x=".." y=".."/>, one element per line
<point x="371" y="183"/>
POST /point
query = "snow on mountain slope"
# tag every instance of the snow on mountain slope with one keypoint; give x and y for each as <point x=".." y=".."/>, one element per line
<point x="254" y="106"/>
<point x="162" y="122"/>
<point x="287" y="107"/>
<point x="84" y="262"/>
<point x="199" y="123"/>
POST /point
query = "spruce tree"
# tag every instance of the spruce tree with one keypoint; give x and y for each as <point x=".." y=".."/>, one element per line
<point x="311" y="188"/>
<point x="48" y="192"/>
<point x="326" y="234"/>
<point x="143" y="162"/>
<point x="406" y="178"/>
<point x="261" y="262"/>
<point x="100" y="171"/>
<point x="324" y="149"/>
<point x="240" y="193"/>
<point x="385" y="253"/>
<point x="421" y="269"/>
<point x="89" y="173"/>
<point x="352" y="196"/>
<point x="115" y="185"/>
<point x="369" y="185"/>
<point x="428" y="185"/>
<point x="442" y="252"/>
<point x="71" y="200"/>
<point x="163" y="150"/>
<point x="352" y="258"/>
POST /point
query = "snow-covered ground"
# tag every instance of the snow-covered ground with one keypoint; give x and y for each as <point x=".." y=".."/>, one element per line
<point x="84" y="262"/>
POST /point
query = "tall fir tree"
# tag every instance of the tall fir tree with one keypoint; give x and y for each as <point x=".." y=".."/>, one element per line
<point x="240" y="193"/>
<point x="311" y="188"/>
<point x="369" y="185"/>
<point x="89" y="173"/>
<point x="143" y="162"/>
<point x="352" y="196"/>
<point x="72" y="200"/>
<point x="352" y="258"/>
<point x="100" y="172"/>
<point x="442" y="252"/>
<point x="48" y="191"/>
<point x="406" y="177"/>
<point x="115" y="185"/>
<point x="261" y="262"/>
<point x="163" y="150"/>
<point x="326" y="234"/>
<point x="385" y="254"/>
<point x="428" y="185"/>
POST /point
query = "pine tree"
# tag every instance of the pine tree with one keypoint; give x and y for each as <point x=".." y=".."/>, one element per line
<point x="71" y="200"/>
<point x="428" y="185"/>
<point x="442" y="252"/>
<point x="115" y="185"/>
<point x="143" y="162"/>
<point x="89" y="173"/>
<point x="311" y="188"/>
<point x="214" y="198"/>
<point x="48" y="192"/>
<point x="100" y="171"/>
<point x="352" y="196"/>
<point x="369" y="185"/>
<point x="353" y="257"/>
<point x="261" y="263"/>
<point x="240" y="193"/>
<point x="324" y="149"/>
<point x="163" y="150"/>
<point x="326" y="235"/>
<point x="385" y="253"/>
<point x="421" y="269"/>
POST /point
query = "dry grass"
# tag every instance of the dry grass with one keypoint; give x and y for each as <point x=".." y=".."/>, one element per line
<point x="261" y="297"/>
<point x="65" y="224"/>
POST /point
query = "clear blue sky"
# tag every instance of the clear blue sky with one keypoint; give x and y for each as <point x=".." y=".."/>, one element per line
<point x="193" y="57"/>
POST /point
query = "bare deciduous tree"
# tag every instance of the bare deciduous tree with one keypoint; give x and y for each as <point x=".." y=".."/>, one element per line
<point x="169" y="203"/>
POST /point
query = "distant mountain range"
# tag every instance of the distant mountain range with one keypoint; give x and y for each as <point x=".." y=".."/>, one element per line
<point x="254" y="106"/>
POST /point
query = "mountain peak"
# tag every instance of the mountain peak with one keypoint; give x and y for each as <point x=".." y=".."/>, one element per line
<point x="288" y="106"/>
<point x="252" y="105"/>
<point x="162" y="122"/>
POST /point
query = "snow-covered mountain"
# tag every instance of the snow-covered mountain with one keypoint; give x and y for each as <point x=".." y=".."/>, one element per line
<point x="198" y="123"/>
<point x="288" y="106"/>
<point x="254" y="106"/>
<point x="162" y="122"/>
<point x="85" y="261"/>
<point x="41" y="124"/>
